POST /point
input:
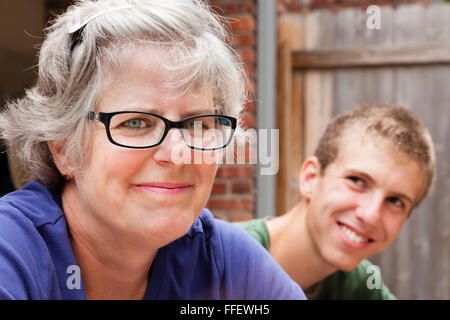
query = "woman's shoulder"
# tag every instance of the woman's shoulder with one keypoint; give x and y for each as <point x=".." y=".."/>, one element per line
<point x="24" y="255"/>
<point x="33" y="202"/>
<point x="247" y="270"/>
<point x="227" y="245"/>
<point x="221" y="232"/>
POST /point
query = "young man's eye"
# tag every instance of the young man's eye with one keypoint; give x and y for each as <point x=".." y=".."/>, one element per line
<point x="396" y="202"/>
<point x="356" y="181"/>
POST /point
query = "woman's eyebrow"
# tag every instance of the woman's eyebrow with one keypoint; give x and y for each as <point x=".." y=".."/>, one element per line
<point x="160" y="112"/>
<point x="148" y="109"/>
<point x="197" y="112"/>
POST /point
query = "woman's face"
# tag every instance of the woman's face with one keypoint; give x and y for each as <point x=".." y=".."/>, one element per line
<point x="144" y="192"/>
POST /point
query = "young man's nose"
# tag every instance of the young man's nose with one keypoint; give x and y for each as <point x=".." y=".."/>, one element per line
<point x="370" y="208"/>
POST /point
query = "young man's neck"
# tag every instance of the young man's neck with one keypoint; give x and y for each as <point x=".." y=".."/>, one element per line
<point x="293" y="248"/>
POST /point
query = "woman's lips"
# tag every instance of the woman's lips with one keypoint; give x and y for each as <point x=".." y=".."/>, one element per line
<point x="165" y="188"/>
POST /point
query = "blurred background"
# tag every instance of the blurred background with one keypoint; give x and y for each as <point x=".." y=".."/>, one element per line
<point x="307" y="60"/>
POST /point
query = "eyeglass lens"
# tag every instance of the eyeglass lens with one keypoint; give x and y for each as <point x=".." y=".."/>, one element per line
<point x="140" y="130"/>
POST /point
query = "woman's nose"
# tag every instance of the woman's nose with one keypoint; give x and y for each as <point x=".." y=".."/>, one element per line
<point x="173" y="150"/>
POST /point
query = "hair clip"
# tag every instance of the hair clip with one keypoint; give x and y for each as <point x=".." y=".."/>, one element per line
<point x="77" y="26"/>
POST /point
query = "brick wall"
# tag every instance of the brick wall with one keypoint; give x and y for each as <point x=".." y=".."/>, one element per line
<point x="233" y="194"/>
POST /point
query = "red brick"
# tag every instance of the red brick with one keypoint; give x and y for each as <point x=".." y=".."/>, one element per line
<point x="244" y="39"/>
<point x="220" y="215"/>
<point x="325" y="1"/>
<point x="250" y="87"/>
<point x="248" y="6"/>
<point x="245" y="22"/>
<point x="250" y="106"/>
<point x="231" y="8"/>
<point x="219" y="188"/>
<point x="242" y="187"/>
<point x="250" y="70"/>
<point x="245" y="216"/>
<point x="248" y="55"/>
<point x="248" y="120"/>
<point x="237" y="171"/>
<point x="230" y="204"/>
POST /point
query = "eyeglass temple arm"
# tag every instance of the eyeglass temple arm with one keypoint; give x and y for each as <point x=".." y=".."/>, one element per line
<point x="92" y="115"/>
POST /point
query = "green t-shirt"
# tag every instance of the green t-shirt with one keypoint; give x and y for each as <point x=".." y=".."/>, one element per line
<point x="341" y="285"/>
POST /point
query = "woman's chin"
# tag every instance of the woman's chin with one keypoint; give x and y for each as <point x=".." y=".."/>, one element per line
<point x="166" y="228"/>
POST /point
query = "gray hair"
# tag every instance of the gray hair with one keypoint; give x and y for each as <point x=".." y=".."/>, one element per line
<point x="95" y="38"/>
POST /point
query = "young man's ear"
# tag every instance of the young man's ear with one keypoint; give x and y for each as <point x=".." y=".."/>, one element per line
<point x="57" y="154"/>
<point x="309" y="173"/>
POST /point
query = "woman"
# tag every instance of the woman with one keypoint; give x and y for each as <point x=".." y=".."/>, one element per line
<point x="112" y="213"/>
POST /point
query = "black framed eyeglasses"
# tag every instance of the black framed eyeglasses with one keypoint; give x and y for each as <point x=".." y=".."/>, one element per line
<point x="140" y="130"/>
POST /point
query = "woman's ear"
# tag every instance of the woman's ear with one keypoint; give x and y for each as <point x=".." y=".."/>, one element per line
<point x="58" y="159"/>
<point x="309" y="173"/>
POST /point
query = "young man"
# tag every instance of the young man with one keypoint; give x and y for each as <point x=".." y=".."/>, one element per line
<point x="372" y="166"/>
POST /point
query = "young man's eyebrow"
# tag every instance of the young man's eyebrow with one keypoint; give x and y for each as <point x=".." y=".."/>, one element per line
<point x="362" y="174"/>
<point x="404" y="196"/>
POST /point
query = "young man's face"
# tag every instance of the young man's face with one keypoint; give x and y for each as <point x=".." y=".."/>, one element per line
<point x="358" y="206"/>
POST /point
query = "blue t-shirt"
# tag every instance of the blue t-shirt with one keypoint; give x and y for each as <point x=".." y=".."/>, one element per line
<point x="214" y="260"/>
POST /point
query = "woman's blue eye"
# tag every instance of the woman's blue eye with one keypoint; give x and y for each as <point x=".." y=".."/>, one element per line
<point x="134" y="123"/>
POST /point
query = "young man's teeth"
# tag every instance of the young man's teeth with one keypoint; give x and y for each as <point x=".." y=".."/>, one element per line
<point x="353" y="236"/>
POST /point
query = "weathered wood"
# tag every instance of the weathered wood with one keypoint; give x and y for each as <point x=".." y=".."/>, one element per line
<point x="378" y="86"/>
<point x="438" y="30"/>
<point x="318" y="84"/>
<point x="284" y="88"/>
<point x="371" y="57"/>
<point x="407" y="62"/>
<point x="290" y="122"/>
<point x="348" y="82"/>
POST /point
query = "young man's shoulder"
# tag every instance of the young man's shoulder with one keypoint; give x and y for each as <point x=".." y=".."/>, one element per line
<point x="257" y="228"/>
<point x="364" y="282"/>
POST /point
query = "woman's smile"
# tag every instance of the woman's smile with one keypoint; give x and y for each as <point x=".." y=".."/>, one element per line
<point x="165" y="188"/>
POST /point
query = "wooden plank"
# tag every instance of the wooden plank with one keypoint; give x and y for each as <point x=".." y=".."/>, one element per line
<point x="284" y="88"/>
<point x="318" y="107"/>
<point x="319" y="85"/>
<point x="372" y="57"/>
<point x="348" y="82"/>
<point x="417" y="265"/>
<point x="378" y="86"/>
<point x="290" y="32"/>
<point x="411" y="91"/>
<point x="438" y="30"/>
